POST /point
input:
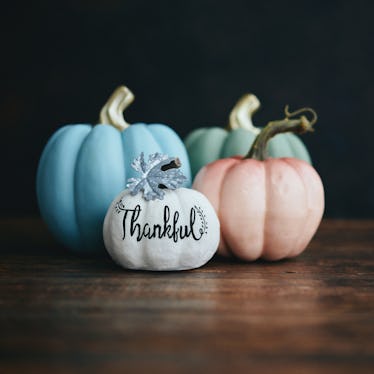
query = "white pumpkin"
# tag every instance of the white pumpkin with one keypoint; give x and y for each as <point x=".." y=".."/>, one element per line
<point x="179" y="232"/>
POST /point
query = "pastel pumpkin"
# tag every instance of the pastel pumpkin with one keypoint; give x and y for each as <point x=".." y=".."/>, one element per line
<point x="268" y="208"/>
<point x="156" y="225"/>
<point x="160" y="243"/>
<point x="208" y="144"/>
<point x="83" y="167"/>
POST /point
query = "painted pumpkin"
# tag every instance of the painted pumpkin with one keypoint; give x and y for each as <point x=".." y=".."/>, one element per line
<point x="83" y="167"/>
<point x="208" y="144"/>
<point x="166" y="227"/>
<point x="268" y="208"/>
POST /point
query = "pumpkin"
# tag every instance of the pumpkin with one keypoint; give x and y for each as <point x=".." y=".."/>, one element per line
<point x="208" y="144"/>
<point x="166" y="227"/>
<point x="83" y="167"/>
<point x="268" y="208"/>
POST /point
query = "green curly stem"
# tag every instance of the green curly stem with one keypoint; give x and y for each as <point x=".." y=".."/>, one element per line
<point x="288" y="124"/>
<point x="241" y="114"/>
<point x="112" y="111"/>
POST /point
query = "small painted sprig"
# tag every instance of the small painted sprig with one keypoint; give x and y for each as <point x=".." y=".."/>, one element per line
<point x="119" y="206"/>
<point x="202" y="216"/>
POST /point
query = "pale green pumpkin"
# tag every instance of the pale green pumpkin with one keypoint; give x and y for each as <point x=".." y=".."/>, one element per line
<point x="208" y="144"/>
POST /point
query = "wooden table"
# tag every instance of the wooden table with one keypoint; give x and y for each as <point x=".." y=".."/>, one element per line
<point x="312" y="314"/>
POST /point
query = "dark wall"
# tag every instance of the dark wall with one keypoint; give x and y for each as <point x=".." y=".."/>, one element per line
<point x="187" y="63"/>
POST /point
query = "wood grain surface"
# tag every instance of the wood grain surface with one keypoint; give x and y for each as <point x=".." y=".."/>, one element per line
<point x="62" y="313"/>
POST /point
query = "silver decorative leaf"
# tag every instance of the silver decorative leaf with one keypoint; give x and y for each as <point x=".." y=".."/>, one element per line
<point x="153" y="180"/>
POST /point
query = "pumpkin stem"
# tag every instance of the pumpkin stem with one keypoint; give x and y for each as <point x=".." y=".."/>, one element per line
<point x="174" y="164"/>
<point x="241" y="114"/>
<point x="112" y="111"/>
<point x="288" y="124"/>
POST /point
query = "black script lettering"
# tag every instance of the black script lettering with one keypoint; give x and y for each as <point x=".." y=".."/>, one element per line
<point x="175" y="231"/>
<point x="192" y="223"/>
<point x="167" y="227"/>
<point x="158" y="228"/>
<point x="133" y="226"/>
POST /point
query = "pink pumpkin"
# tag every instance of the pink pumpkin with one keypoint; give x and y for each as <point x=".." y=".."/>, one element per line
<point x="268" y="208"/>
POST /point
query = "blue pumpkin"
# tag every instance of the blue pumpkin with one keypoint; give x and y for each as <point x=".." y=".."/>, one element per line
<point x="83" y="167"/>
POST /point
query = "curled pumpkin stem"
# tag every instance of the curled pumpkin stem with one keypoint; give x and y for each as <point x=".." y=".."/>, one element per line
<point x="241" y="114"/>
<point x="294" y="122"/>
<point x="289" y="114"/>
<point x="112" y="111"/>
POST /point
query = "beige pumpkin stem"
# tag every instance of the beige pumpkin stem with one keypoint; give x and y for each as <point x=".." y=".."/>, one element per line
<point x="241" y="114"/>
<point x="289" y="124"/>
<point x="112" y="111"/>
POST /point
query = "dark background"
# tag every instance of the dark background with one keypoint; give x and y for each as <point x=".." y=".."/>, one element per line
<point x="187" y="63"/>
